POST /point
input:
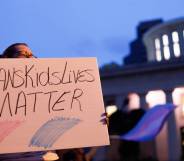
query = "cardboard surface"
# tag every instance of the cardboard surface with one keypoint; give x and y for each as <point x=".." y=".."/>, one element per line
<point x="50" y="104"/>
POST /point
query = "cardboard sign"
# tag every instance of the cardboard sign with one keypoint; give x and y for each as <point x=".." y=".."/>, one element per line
<point x="50" y="104"/>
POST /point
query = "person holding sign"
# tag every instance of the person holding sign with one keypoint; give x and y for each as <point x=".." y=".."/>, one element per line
<point x="22" y="50"/>
<point x="51" y="103"/>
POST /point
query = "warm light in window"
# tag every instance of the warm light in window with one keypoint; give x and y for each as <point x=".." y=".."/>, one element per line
<point x="111" y="109"/>
<point x="178" y="98"/>
<point x="177" y="95"/>
<point x="182" y="103"/>
<point x="50" y="156"/>
<point x="155" y="97"/>
<point x="134" y="101"/>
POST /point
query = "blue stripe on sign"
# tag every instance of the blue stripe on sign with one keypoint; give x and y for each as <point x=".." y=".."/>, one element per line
<point x="50" y="131"/>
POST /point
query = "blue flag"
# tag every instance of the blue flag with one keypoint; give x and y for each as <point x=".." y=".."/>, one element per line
<point x="150" y="124"/>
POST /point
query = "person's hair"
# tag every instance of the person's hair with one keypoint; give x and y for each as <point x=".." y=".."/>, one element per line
<point x="10" y="51"/>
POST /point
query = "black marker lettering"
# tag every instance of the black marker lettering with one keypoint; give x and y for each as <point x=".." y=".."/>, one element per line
<point x="76" y="94"/>
<point x="15" y="74"/>
<point x="28" y="76"/>
<point x="91" y="78"/>
<point x="54" y="74"/>
<point x="75" y="76"/>
<point x="24" y="104"/>
<point x="64" y="75"/>
<point x="7" y="98"/>
<point x="35" y="99"/>
<point x="9" y="79"/>
<point x="50" y="96"/>
<point x="3" y="71"/>
<point x="59" y="101"/>
<point x="37" y="79"/>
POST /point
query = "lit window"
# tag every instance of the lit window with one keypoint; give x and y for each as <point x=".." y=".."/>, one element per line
<point x="134" y="101"/>
<point x="157" y="43"/>
<point x="158" y="55"/>
<point x="176" y="49"/>
<point x="158" y="52"/>
<point x="155" y="97"/>
<point x="165" y="40"/>
<point x="176" y="46"/>
<point x="166" y="47"/>
<point x="166" y="53"/>
<point x="178" y="99"/>
<point x="111" y="109"/>
<point x="175" y="36"/>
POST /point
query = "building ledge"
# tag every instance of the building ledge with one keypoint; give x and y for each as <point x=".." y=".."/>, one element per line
<point x="143" y="68"/>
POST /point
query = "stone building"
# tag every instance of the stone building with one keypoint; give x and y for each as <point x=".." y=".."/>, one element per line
<point x="153" y="73"/>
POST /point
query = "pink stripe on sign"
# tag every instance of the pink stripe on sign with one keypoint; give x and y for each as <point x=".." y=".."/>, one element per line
<point x="7" y="127"/>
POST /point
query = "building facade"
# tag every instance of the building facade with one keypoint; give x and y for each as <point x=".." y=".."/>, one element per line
<point x="156" y="77"/>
